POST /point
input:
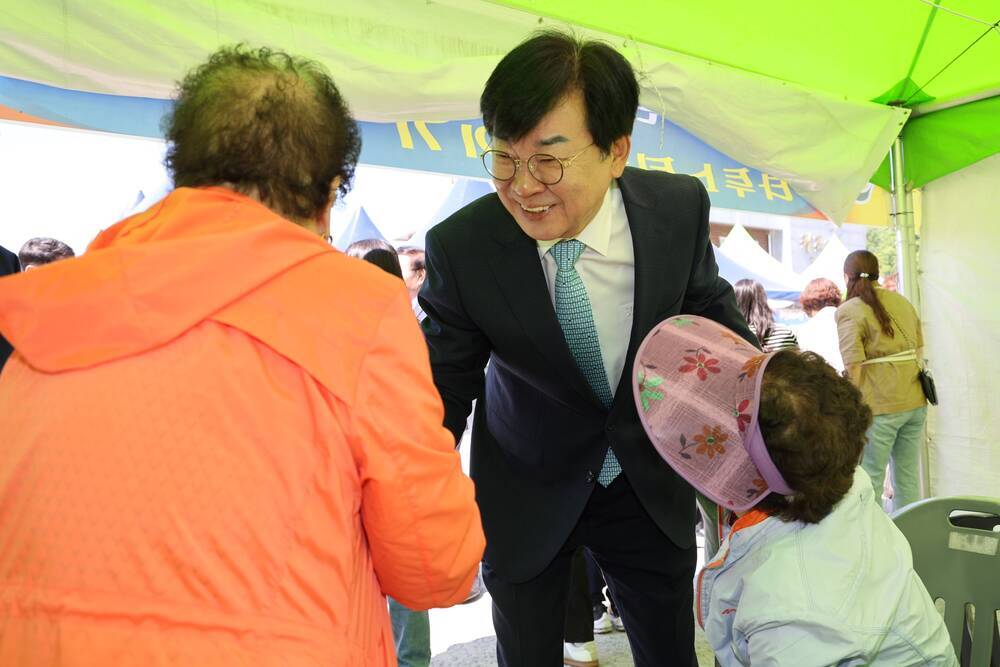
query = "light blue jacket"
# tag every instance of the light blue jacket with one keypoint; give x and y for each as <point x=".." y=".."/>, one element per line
<point x="840" y="592"/>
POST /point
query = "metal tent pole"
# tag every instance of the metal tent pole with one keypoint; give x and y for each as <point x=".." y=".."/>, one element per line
<point x="906" y="240"/>
<point x="906" y="265"/>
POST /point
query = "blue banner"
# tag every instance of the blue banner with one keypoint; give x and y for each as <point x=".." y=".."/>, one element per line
<point x="451" y="147"/>
<point x="455" y="147"/>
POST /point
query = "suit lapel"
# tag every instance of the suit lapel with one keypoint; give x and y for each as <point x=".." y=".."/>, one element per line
<point x="518" y="272"/>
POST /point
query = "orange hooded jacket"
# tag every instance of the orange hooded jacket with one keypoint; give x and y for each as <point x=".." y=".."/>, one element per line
<point x="221" y="446"/>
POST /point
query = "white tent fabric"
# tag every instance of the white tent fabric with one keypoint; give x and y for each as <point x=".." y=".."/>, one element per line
<point x="70" y="184"/>
<point x="828" y="264"/>
<point x="360" y="228"/>
<point x="400" y="60"/>
<point x="741" y="248"/>
<point x="465" y="191"/>
<point x="959" y="288"/>
<point x="398" y="201"/>
<point x="732" y="271"/>
<point x="773" y="125"/>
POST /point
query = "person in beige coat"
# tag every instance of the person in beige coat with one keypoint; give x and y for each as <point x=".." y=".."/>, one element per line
<point x="880" y="341"/>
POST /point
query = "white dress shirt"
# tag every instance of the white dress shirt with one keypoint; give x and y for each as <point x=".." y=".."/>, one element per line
<point x="607" y="268"/>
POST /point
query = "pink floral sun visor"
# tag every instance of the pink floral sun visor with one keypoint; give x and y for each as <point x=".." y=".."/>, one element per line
<point x="697" y="390"/>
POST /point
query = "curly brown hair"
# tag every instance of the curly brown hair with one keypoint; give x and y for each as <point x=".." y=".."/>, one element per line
<point x="814" y="423"/>
<point x="263" y="120"/>
<point x="818" y="294"/>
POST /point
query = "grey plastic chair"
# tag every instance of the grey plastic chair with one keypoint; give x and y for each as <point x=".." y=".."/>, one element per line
<point x="958" y="559"/>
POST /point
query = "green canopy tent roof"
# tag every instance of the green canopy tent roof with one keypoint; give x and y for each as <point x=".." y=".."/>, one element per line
<point x="919" y="54"/>
<point x="860" y="49"/>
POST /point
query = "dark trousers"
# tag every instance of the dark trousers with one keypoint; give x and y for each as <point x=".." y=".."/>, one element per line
<point x="579" y="623"/>
<point x="650" y="577"/>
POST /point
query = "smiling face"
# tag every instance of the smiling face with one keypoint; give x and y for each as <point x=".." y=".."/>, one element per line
<point x="563" y="210"/>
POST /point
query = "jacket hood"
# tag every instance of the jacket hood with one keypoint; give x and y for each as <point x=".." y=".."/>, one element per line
<point x="149" y="278"/>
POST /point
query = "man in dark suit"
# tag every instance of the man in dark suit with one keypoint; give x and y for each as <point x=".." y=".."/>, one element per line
<point x="8" y="264"/>
<point x="554" y="281"/>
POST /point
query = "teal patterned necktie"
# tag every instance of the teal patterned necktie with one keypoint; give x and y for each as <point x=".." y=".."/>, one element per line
<point x="577" y="321"/>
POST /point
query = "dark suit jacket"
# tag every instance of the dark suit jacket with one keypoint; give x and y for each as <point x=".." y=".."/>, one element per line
<point x="540" y="433"/>
<point x="8" y="264"/>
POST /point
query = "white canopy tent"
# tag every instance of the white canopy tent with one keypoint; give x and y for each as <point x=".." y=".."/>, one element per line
<point x="740" y="247"/>
<point x="828" y="264"/>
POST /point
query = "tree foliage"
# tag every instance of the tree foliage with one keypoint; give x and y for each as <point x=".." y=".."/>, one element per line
<point x="882" y="242"/>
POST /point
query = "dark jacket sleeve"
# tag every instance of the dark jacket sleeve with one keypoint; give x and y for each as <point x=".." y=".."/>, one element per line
<point x="708" y="294"/>
<point x="458" y="349"/>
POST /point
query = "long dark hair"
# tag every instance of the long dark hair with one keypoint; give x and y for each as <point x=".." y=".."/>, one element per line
<point x="861" y="269"/>
<point x="751" y="299"/>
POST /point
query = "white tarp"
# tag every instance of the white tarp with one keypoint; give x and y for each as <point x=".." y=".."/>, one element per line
<point x="740" y="247"/>
<point x="398" y="59"/>
<point x="960" y="297"/>
<point x="828" y="264"/>
<point x="70" y="184"/>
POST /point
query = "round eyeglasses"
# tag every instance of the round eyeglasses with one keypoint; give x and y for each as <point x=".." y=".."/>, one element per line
<point x="546" y="169"/>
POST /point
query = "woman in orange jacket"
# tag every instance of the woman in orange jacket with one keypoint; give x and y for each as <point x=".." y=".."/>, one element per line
<point x="222" y="444"/>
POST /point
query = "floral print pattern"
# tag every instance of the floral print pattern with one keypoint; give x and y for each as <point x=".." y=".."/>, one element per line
<point x="751" y="366"/>
<point x="733" y="338"/>
<point x="759" y="487"/>
<point x="711" y="441"/>
<point x="741" y="415"/>
<point x="699" y="424"/>
<point x="685" y="444"/>
<point x="647" y="391"/>
<point x="700" y="363"/>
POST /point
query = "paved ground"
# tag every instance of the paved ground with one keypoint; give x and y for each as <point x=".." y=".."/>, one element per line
<point x="463" y="636"/>
<point x="613" y="651"/>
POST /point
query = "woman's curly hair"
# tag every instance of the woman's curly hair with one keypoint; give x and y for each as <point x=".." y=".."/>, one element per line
<point x="818" y="294"/>
<point x="814" y="423"/>
<point x="262" y="119"/>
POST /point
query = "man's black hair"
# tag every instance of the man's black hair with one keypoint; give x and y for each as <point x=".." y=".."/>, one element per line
<point x="534" y="77"/>
<point x="377" y="252"/>
<point x="43" y="250"/>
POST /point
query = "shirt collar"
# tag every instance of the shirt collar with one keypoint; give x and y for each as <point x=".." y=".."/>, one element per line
<point x="597" y="234"/>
